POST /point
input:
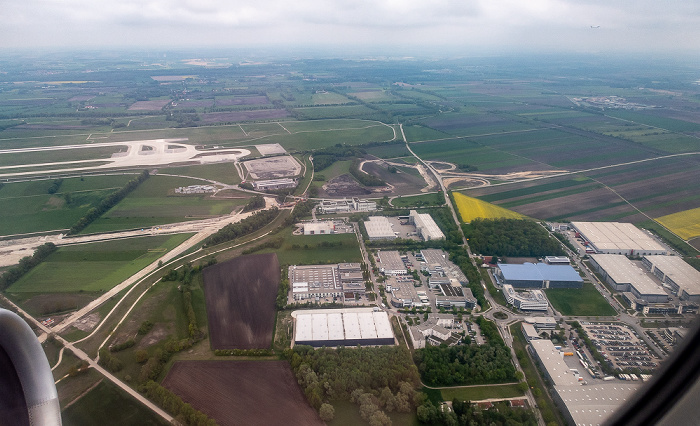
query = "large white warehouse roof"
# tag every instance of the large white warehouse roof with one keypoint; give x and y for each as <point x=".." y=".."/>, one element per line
<point x="618" y="238"/>
<point x="349" y="327"/>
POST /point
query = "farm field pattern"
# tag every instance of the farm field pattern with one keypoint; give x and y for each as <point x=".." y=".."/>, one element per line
<point x="523" y="137"/>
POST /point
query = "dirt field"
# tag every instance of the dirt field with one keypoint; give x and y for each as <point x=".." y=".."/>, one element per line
<point x="242" y="392"/>
<point x="273" y="168"/>
<point x="149" y="105"/>
<point x="240" y="299"/>
<point x="402" y="182"/>
<point x="270" y="149"/>
<point x="344" y="186"/>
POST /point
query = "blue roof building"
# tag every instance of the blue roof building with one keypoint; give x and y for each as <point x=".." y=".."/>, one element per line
<point x="539" y="275"/>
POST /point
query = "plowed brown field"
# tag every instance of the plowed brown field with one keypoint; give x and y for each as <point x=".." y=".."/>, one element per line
<point x="240" y="298"/>
<point x="242" y="392"/>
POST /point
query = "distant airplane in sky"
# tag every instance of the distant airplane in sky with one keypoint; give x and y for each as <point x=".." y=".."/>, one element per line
<point x="595" y="26"/>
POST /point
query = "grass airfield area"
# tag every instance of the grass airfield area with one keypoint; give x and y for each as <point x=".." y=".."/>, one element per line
<point x="95" y="267"/>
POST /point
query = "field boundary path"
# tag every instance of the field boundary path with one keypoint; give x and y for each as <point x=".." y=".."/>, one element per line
<point x="83" y="356"/>
<point x="208" y="229"/>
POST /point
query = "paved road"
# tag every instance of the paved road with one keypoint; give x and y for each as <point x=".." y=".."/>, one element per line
<point x="83" y="356"/>
<point x="203" y="229"/>
<point x="503" y="331"/>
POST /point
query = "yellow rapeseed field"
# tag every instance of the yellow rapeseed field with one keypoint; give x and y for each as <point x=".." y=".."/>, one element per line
<point x="472" y="208"/>
<point x="685" y="224"/>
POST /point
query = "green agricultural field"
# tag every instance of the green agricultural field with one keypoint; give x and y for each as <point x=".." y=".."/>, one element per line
<point x="586" y="301"/>
<point x="220" y="172"/>
<point x="344" y="111"/>
<point x="28" y="207"/>
<point x="655" y="120"/>
<point x="95" y="267"/>
<point x="477" y="393"/>
<point x="304" y="141"/>
<point x="421" y="133"/>
<point x="331" y="124"/>
<point x="39" y="157"/>
<point x="461" y="151"/>
<point x="336" y="169"/>
<point x="312" y="249"/>
<point x="154" y="202"/>
<point x="329" y="98"/>
<point x="106" y="403"/>
<point x="388" y="150"/>
<point x="504" y="195"/>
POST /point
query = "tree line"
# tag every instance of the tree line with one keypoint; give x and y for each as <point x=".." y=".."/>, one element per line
<point x="247" y="226"/>
<point x="173" y="404"/>
<point x="257" y="202"/>
<point x="13" y="274"/>
<point x="464" y="413"/>
<point x="107" y="203"/>
<point x="327" y="156"/>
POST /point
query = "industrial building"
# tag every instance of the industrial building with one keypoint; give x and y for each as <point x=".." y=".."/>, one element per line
<point x="641" y="305"/>
<point x="582" y="404"/>
<point x="315" y="281"/>
<point x="319" y="228"/>
<point x="557" y="260"/>
<point x="455" y="296"/>
<point x="623" y="275"/>
<point x="403" y="293"/>
<point x="676" y="273"/>
<point x="379" y="228"/>
<point x="351" y="278"/>
<point x="532" y="300"/>
<point x="529" y="331"/>
<point x="425" y="226"/>
<point x="542" y="323"/>
<point x="538" y="275"/>
<point x="347" y="206"/>
<point x="390" y="263"/>
<point x="441" y="269"/>
<point x="272" y="184"/>
<point x="617" y="238"/>
<point x="342" y="327"/>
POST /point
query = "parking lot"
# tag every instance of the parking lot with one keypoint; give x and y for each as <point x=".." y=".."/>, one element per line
<point x="621" y="346"/>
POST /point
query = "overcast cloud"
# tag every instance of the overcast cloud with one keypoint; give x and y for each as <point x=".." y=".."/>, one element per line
<point x="502" y="25"/>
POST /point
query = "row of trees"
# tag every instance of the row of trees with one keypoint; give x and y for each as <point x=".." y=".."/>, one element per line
<point x="107" y="203"/>
<point x="172" y="403"/>
<point x="246" y="226"/>
<point x="257" y="202"/>
<point x="13" y="274"/>
<point x="510" y="237"/>
<point x="327" y="156"/>
<point x="55" y="186"/>
<point x="464" y="413"/>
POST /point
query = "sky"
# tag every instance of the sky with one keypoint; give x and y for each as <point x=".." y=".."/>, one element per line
<point x="463" y="25"/>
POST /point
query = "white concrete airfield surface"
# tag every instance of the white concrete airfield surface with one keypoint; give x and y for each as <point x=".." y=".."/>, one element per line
<point x="155" y="152"/>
